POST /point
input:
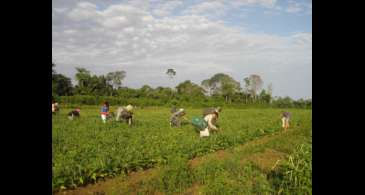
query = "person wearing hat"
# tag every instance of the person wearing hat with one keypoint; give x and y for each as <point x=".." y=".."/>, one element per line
<point x="210" y="116"/>
<point x="176" y="118"/>
<point x="125" y="113"/>
<point x="74" y="113"/>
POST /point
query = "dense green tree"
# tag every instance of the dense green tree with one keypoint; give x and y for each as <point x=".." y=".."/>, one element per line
<point x="91" y="84"/>
<point x="221" y="84"/>
<point x="61" y="85"/>
<point x="264" y="96"/>
<point x="189" y="88"/>
<point x="115" y="78"/>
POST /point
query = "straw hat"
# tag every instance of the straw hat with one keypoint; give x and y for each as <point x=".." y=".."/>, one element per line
<point x="129" y="108"/>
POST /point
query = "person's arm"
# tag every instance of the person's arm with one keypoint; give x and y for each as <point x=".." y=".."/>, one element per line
<point x="210" y="124"/>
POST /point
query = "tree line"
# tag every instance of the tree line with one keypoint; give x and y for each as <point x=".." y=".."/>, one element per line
<point x="219" y="89"/>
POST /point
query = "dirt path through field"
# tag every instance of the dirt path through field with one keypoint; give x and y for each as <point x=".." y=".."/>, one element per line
<point x="265" y="159"/>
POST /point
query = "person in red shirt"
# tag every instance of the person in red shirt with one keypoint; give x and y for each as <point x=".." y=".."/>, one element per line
<point x="104" y="112"/>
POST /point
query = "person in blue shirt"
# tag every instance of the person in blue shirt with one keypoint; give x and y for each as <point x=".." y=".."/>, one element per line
<point x="104" y="112"/>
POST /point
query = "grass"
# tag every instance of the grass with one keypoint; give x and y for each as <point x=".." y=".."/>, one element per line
<point x="87" y="150"/>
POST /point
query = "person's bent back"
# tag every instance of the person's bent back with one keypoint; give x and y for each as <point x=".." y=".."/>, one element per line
<point x="176" y="118"/>
<point x="125" y="113"/>
<point x="210" y="116"/>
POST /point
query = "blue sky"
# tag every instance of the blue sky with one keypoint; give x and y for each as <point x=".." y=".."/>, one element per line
<point x="272" y="38"/>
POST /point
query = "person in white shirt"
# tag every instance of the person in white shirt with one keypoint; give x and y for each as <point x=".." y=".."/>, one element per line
<point x="211" y="117"/>
<point x="125" y="114"/>
<point x="55" y="107"/>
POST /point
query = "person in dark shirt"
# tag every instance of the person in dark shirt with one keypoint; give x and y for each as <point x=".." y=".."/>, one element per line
<point x="176" y="118"/>
<point x="74" y="113"/>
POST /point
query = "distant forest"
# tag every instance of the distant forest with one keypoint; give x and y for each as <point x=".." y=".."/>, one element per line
<point x="220" y="89"/>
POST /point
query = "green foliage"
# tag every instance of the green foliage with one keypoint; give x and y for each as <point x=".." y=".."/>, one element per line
<point x="92" y="85"/>
<point x="220" y="89"/>
<point x="115" y="78"/>
<point x="162" y="98"/>
<point x="221" y="84"/>
<point x="61" y="85"/>
<point x="188" y="88"/>
<point x="86" y="150"/>
<point x="294" y="176"/>
<point x="231" y="177"/>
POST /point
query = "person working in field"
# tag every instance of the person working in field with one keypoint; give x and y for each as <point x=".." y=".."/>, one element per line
<point x="208" y="122"/>
<point x="74" y="114"/>
<point x="125" y="114"/>
<point x="55" y="108"/>
<point x="177" y="117"/>
<point x="104" y="112"/>
<point x="285" y="120"/>
<point x="210" y="116"/>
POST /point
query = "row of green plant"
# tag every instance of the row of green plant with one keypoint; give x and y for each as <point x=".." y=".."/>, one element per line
<point x="290" y="175"/>
<point x="85" y="150"/>
<point x="180" y="101"/>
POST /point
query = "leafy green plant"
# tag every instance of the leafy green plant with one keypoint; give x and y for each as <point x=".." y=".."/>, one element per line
<point x="294" y="176"/>
<point x="86" y="150"/>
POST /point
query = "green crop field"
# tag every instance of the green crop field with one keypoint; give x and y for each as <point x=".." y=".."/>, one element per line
<point x="86" y="151"/>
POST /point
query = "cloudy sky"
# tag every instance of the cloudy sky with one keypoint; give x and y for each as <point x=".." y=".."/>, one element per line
<point x="272" y="38"/>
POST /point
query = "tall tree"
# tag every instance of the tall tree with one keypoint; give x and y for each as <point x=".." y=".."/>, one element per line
<point x="269" y="89"/>
<point x="253" y="84"/>
<point x="171" y="73"/>
<point x="207" y="86"/>
<point x="115" y="78"/>
<point x="222" y="84"/>
<point x="82" y="76"/>
<point x="61" y="85"/>
<point x="189" y="88"/>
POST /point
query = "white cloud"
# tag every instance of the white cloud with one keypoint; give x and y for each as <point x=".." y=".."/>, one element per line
<point x="82" y="11"/>
<point x="265" y="3"/>
<point x="207" y="7"/>
<point x="297" y="7"/>
<point x="165" y="8"/>
<point x="293" y="8"/>
<point x="122" y="36"/>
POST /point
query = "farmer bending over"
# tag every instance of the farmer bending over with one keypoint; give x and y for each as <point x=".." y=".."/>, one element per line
<point x="210" y="116"/>
<point x="176" y="118"/>
<point x="125" y="113"/>
<point x="104" y="112"/>
<point x="285" y="120"/>
<point x="55" y="107"/>
<point x="74" y="113"/>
